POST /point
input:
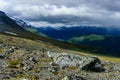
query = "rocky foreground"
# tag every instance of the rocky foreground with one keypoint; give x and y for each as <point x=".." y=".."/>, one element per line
<point x="22" y="59"/>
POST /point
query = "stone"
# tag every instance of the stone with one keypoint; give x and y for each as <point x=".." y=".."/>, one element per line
<point x="116" y="67"/>
<point x="32" y="59"/>
<point x="28" y="68"/>
<point x="8" y="51"/>
<point x="94" y="65"/>
<point x="1" y="76"/>
<point x="65" y="60"/>
<point x="21" y="65"/>
<point x="15" y="48"/>
<point x="24" y="79"/>
<point x="54" y="68"/>
<point x="50" y="54"/>
<point x="73" y="77"/>
<point x="2" y="45"/>
<point x="2" y="56"/>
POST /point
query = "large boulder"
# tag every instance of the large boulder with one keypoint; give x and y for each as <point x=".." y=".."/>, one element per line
<point x="65" y="60"/>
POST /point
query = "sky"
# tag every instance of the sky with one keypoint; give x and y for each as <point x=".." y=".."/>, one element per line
<point x="58" y="13"/>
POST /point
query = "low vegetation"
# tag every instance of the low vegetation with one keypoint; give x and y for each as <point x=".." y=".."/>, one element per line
<point x="28" y="60"/>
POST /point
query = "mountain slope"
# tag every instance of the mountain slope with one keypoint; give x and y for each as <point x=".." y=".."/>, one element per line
<point x="30" y="60"/>
<point x="8" y="26"/>
<point x="88" y="38"/>
<point x="27" y="56"/>
<point x="108" y="43"/>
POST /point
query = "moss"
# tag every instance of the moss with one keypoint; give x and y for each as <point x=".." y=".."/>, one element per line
<point x="14" y="62"/>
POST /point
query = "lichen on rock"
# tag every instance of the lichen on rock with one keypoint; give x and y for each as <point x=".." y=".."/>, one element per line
<point x="65" y="60"/>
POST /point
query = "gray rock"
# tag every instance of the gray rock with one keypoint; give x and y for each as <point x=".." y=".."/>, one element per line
<point x="32" y="59"/>
<point x="2" y="56"/>
<point x="2" y="45"/>
<point x="28" y="68"/>
<point x="51" y="54"/>
<point x="94" y="65"/>
<point x="8" y="51"/>
<point x="1" y="76"/>
<point x="54" y="68"/>
<point x="15" y="48"/>
<point x="3" y="64"/>
<point x="116" y="67"/>
<point x="73" y="77"/>
<point x="21" y="65"/>
<point x="82" y="62"/>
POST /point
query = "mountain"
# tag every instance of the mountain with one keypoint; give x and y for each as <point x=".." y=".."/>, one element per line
<point x="75" y="31"/>
<point x="109" y="44"/>
<point x="9" y="27"/>
<point x="21" y="22"/>
<point x="69" y="32"/>
<point x="24" y="55"/>
<point x="96" y="39"/>
<point x="104" y="39"/>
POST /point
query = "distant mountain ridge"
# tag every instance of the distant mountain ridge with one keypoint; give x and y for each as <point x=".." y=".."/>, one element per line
<point x="73" y="31"/>
<point x="97" y="37"/>
<point x="103" y="40"/>
<point x="25" y="55"/>
<point x="10" y="27"/>
<point x="7" y="24"/>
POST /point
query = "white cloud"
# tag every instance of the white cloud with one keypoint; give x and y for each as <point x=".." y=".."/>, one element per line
<point x="45" y="24"/>
<point x="53" y="10"/>
<point x="56" y="25"/>
<point x="4" y="5"/>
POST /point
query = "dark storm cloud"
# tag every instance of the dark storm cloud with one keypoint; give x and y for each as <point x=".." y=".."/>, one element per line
<point x="110" y="5"/>
<point x="64" y="12"/>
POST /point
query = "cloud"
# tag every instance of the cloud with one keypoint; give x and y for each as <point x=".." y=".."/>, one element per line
<point x="46" y="24"/>
<point x="64" y="12"/>
<point x="4" y="5"/>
